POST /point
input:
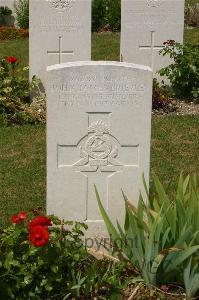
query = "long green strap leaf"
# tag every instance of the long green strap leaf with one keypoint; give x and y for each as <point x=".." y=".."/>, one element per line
<point x="110" y="227"/>
<point x="181" y="257"/>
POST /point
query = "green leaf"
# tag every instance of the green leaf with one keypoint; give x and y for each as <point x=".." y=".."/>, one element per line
<point x="191" y="279"/>
<point x="67" y="296"/>
<point x="110" y="227"/>
<point x="181" y="256"/>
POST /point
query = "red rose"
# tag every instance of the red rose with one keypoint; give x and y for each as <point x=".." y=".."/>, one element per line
<point x="22" y="215"/>
<point x="39" y="236"/>
<point x="19" y="218"/>
<point x="39" y="220"/>
<point x="11" y="59"/>
<point x="15" y="219"/>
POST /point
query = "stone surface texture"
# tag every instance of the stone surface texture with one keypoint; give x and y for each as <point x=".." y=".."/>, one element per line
<point x="98" y="132"/>
<point x="146" y="24"/>
<point x="8" y="3"/>
<point x="60" y="31"/>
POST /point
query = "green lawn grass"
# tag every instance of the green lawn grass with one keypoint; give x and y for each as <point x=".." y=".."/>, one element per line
<point x="22" y="169"/>
<point x="191" y="36"/>
<point x="175" y="147"/>
<point x="105" y="46"/>
<point x="18" y="48"/>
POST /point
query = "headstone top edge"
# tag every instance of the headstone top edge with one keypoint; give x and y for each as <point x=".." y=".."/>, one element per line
<point x="49" y="0"/>
<point x="98" y="63"/>
<point x="180" y="1"/>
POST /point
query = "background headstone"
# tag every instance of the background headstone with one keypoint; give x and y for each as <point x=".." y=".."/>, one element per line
<point x="60" y="31"/>
<point x="98" y="132"/>
<point x="8" y="20"/>
<point x="8" y="3"/>
<point x="146" y="24"/>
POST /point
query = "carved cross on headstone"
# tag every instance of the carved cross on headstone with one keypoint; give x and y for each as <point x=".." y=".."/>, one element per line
<point x="60" y="52"/>
<point x="152" y="48"/>
<point x="98" y="153"/>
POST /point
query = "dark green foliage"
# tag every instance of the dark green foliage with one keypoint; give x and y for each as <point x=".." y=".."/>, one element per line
<point x="183" y="73"/>
<point x="98" y="14"/>
<point x="190" y="2"/>
<point x="161" y="238"/>
<point x="113" y="14"/>
<point x="22" y="13"/>
<point x="106" y="15"/>
<point x="5" y="11"/>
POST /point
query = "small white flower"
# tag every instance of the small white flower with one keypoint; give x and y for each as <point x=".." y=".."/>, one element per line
<point x="26" y="68"/>
<point x="6" y="81"/>
<point x="7" y="90"/>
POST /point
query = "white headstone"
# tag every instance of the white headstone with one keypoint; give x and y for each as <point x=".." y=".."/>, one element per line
<point x="98" y="132"/>
<point x="145" y="26"/>
<point x="60" y="31"/>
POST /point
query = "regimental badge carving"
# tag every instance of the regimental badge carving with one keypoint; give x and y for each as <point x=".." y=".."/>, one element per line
<point x="60" y="5"/>
<point x="153" y="3"/>
<point x="99" y="149"/>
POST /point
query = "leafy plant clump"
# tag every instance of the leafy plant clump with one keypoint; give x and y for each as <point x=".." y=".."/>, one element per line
<point x="113" y="15"/>
<point x="183" y="73"/>
<point x="106" y="15"/>
<point x="12" y="33"/>
<point x="161" y="238"/>
<point x="192" y="15"/>
<point x="15" y="103"/>
<point x="98" y="13"/>
<point x="5" y="11"/>
<point x="160" y="99"/>
<point x="45" y="258"/>
<point x="22" y="13"/>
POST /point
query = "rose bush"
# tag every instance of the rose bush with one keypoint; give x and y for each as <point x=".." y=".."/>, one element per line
<point x="183" y="72"/>
<point x="45" y="258"/>
<point x="15" y="89"/>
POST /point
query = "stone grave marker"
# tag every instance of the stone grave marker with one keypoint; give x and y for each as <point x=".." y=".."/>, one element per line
<point x="8" y="20"/>
<point x="98" y="132"/>
<point x="60" y="31"/>
<point x="8" y="3"/>
<point x="145" y="26"/>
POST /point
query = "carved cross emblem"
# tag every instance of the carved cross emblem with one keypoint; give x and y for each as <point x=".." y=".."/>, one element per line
<point x="99" y="148"/>
<point x="60" y="5"/>
<point x="152" y="48"/>
<point x="153" y="3"/>
<point x="61" y="52"/>
<point x="98" y="156"/>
